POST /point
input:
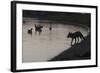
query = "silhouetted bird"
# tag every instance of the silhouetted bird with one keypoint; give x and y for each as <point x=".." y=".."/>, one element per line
<point x="38" y="28"/>
<point x="30" y="31"/>
<point x="50" y="28"/>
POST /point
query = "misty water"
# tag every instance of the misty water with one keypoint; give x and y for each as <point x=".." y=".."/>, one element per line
<point x="48" y="44"/>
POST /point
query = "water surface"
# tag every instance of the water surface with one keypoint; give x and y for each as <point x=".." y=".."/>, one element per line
<point x="48" y="44"/>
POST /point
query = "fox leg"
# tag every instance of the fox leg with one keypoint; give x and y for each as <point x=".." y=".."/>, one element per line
<point x="75" y="40"/>
<point x="71" y="41"/>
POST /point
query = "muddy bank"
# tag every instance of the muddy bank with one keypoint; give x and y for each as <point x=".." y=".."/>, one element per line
<point x="78" y="51"/>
